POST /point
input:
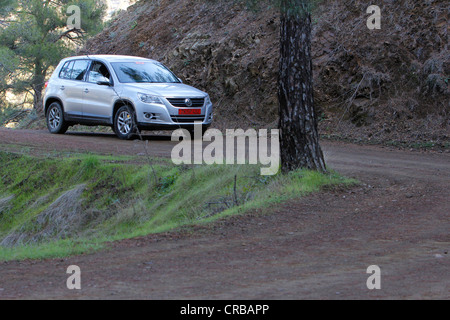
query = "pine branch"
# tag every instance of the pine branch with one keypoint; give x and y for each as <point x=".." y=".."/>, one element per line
<point x="68" y="35"/>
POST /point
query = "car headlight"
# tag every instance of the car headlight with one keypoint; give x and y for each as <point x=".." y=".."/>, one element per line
<point x="208" y="100"/>
<point x="147" y="98"/>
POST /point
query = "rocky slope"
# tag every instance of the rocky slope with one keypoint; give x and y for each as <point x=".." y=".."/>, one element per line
<point x="371" y="85"/>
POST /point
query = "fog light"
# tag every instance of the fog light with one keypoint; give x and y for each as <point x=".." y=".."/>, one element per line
<point x="149" y="116"/>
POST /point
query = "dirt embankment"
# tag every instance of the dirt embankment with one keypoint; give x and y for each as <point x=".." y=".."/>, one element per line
<point x="371" y="85"/>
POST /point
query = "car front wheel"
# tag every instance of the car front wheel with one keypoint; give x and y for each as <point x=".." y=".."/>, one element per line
<point x="125" y="123"/>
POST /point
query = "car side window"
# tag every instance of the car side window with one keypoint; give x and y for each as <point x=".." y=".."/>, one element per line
<point x="79" y="70"/>
<point x="66" y="70"/>
<point x="98" y="72"/>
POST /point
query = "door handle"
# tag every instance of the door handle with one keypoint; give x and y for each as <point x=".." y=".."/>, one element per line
<point x="62" y="88"/>
<point x="86" y="90"/>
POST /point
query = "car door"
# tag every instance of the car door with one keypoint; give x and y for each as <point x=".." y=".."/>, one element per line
<point x="71" y="88"/>
<point x="98" y="98"/>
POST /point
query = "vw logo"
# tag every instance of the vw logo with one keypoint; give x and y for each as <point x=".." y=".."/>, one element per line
<point x="188" y="102"/>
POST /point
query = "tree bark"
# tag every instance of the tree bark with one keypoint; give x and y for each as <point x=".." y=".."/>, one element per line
<point x="299" y="138"/>
<point x="38" y="104"/>
<point x="38" y="86"/>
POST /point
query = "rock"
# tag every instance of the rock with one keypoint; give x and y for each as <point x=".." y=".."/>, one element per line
<point x="231" y="85"/>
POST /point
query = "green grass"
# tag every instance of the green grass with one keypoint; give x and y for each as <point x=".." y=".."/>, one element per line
<point x="55" y="249"/>
<point x="125" y="199"/>
<point x="424" y="145"/>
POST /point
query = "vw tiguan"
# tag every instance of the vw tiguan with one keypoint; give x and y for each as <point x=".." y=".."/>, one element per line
<point x="126" y="93"/>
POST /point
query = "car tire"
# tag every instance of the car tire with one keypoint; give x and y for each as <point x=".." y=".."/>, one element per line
<point x="55" y="119"/>
<point x="125" y="123"/>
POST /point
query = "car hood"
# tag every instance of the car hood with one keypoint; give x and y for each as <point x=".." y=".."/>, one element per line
<point x="169" y="90"/>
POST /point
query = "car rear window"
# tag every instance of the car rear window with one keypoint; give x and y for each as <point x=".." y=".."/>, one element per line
<point x="66" y="70"/>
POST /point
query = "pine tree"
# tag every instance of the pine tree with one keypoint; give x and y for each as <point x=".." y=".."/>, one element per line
<point x="35" y="36"/>
<point x="299" y="138"/>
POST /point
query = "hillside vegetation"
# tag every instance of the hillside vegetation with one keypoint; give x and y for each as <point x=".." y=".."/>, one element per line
<point x="64" y="204"/>
<point x="388" y="85"/>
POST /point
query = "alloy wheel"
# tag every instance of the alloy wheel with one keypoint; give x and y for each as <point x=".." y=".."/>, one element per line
<point x="125" y="122"/>
<point x="54" y="118"/>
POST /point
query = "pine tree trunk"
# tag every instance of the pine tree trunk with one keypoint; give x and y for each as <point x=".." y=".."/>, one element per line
<point x="38" y="86"/>
<point x="299" y="138"/>
<point x="38" y="105"/>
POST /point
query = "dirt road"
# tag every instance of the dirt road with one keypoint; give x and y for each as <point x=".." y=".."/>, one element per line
<point x="317" y="247"/>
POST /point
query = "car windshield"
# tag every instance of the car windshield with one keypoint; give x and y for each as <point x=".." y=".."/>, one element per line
<point x="143" y="72"/>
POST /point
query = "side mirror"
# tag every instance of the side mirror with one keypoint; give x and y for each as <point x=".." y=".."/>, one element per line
<point x="104" y="83"/>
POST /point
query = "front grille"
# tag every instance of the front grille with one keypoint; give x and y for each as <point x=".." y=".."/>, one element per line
<point x="181" y="102"/>
<point x="188" y="119"/>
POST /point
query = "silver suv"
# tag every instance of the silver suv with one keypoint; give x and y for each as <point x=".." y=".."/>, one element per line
<point x="126" y="93"/>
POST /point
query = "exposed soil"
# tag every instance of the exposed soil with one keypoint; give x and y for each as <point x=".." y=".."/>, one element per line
<point x="388" y="85"/>
<point x="319" y="246"/>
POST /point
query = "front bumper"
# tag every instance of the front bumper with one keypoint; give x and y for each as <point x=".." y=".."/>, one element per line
<point x="166" y="116"/>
